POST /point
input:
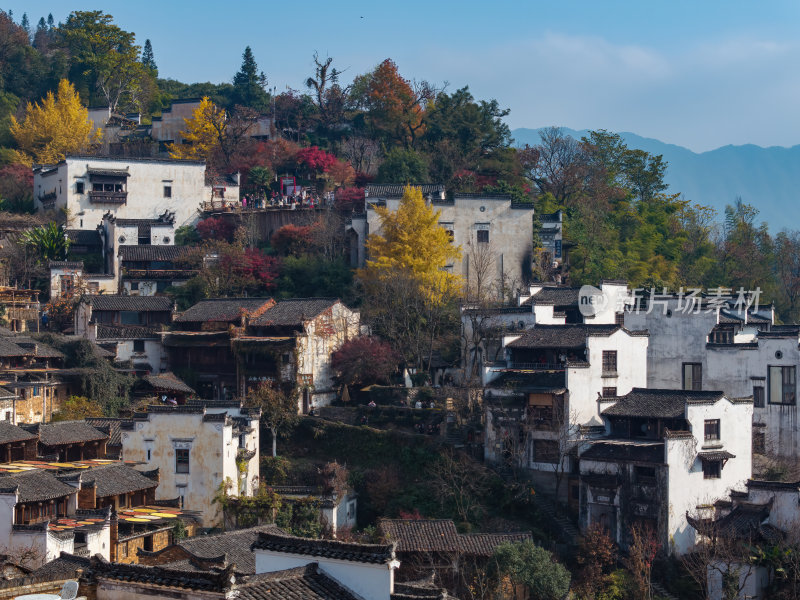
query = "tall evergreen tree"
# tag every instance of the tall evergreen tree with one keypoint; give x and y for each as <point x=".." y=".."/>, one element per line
<point x="41" y="26"/>
<point x="51" y="22"/>
<point x="147" y="57"/>
<point x="249" y="84"/>
<point x="25" y="24"/>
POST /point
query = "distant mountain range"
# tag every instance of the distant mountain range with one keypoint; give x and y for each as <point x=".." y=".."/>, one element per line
<point x="767" y="178"/>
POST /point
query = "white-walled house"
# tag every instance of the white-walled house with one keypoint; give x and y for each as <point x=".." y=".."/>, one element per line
<point x="365" y="569"/>
<point x="722" y="346"/>
<point x="666" y="454"/>
<point x="547" y="394"/>
<point x="129" y="326"/>
<point x="88" y="187"/>
<point x="495" y="233"/>
<point x="197" y="448"/>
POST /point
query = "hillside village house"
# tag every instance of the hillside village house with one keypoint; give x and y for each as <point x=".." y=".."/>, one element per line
<point x="80" y="507"/>
<point x="722" y="344"/>
<point x="88" y="187"/>
<point x="196" y="448"/>
<point x="135" y="257"/>
<point x="129" y="326"/>
<point x="666" y="454"/>
<point x="252" y="340"/>
<point x="547" y="394"/>
<point x="495" y="233"/>
<point x="483" y="328"/>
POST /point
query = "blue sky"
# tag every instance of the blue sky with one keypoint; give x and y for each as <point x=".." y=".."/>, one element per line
<point x="701" y="74"/>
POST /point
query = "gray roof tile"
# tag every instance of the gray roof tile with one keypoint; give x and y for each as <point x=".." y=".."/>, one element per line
<point x="350" y="551"/>
<point x="292" y="312"/>
<point x="131" y="303"/>
<point x="658" y="404"/>
<point x="222" y="309"/>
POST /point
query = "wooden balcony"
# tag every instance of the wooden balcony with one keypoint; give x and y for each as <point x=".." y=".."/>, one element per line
<point x="108" y="197"/>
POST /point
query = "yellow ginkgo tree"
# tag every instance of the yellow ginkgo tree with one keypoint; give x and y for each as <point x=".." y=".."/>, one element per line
<point x="203" y="132"/>
<point x="410" y="294"/>
<point x="58" y="126"/>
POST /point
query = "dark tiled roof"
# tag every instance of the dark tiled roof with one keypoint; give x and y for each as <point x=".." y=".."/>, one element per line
<point x="84" y="237"/>
<point x="63" y="567"/>
<point x="174" y="578"/>
<point x="145" y="253"/>
<point x="558" y="296"/>
<point x="773" y="485"/>
<point x="168" y="382"/>
<point x="110" y="424"/>
<point x="65" y="264"/>
<point x="421" y="535"/>
<point x="11" y="433"/>
<point x="560" y="336"/>
<point x="656" y="403"/>
<point x="625" y="450"/>
<point x="440" y="535"/>
<point x="529" y="382"/>
<point x="301" y="583"/>
<point x="395" y="190"/>
<point x="116" y="479"/>
<point x="715" y="455"/>
<point x="354" y="552"/>
<point x="127" y="332"/>
<point x="9" y="348"/>
<point x="483" y="544"/>
<point x="131" y="303"/>
<point x="6" y="394"/>
<point x="744" y="522"/>
<point x="235" y="545"/>
<point x="66" y="432"/>
<point x="222" y="309"/>
<point x="41" y="350"/>
<point x="35" y="486"/>
<point x="289" y="313"/>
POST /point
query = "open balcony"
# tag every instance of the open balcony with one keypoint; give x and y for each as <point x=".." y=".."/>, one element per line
<point x="108" y="197"/>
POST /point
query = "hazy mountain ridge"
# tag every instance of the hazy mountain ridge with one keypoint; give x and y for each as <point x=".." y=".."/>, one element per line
<point x="767" y="178"/>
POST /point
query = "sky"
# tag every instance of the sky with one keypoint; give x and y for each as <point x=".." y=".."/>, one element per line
<point x="699" y="73"/>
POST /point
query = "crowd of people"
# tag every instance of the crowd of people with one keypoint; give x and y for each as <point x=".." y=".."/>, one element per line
<point x="298" y="199"/>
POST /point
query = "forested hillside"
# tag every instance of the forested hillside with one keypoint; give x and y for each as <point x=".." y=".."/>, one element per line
<point x="621" y="219"/>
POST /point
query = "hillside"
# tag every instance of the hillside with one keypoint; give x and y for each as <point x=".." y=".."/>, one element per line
<point x="763" y="177"/>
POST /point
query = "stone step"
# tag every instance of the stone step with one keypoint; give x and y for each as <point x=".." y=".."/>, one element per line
<point x="659" y="589"/>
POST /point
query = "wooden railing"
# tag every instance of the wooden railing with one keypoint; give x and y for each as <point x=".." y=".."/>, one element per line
<point x="108" y="197"/>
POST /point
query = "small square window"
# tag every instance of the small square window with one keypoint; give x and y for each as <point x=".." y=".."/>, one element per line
<point x="609" y="392"/>
<point x="483" y="236"/>
<point x="78" y="187"/>
<point x="167" y="191"/>
<point x="711" y="429"/>
<point x="138" y="345"/>
<point x="758" y="396"/>
<point x="712" y="469"/>
<point x="181" y="460"/>
<point x="609" y="361"/>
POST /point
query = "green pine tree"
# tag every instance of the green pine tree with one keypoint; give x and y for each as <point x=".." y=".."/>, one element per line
<point x="147" y="57"/>
<point x="249" y="84"/>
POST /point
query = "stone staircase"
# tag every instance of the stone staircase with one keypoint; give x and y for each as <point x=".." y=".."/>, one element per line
<point x="566" y="528"/>
<point x="660" y="591"/>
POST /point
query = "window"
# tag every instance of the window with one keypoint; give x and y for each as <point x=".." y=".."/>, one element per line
<point x="67" y="283"/>
<point x="722" y="336"/>
<point x="167" y="191"/>
<point x="93" y="287"/>
<point x="712" y="469"/>
<point x="782" y="386"/>
<point x="78" y="187"/>
<point x="181" y="460"/>
<point x="711" y="429"/>
<point x="619" y="318"/>
<point x="759" y="442"/>
<point x="181" y="489"/>
<point x="645" y="474"/>
<point x="149" y="451"/>
<point x="758" y="396"/>
<point x="609" y="361"/>
<point x="692" y="376"/>
<point x="609" y="392"/>
<point x="483" y="236"/>
<point x="148" y="543"/>
<point x="545" y="451"/>
<point x="134" y="286"/>
<point x="138" y="345"/>
<point x="123" y="550"/>
<point x="129" y="317"/>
